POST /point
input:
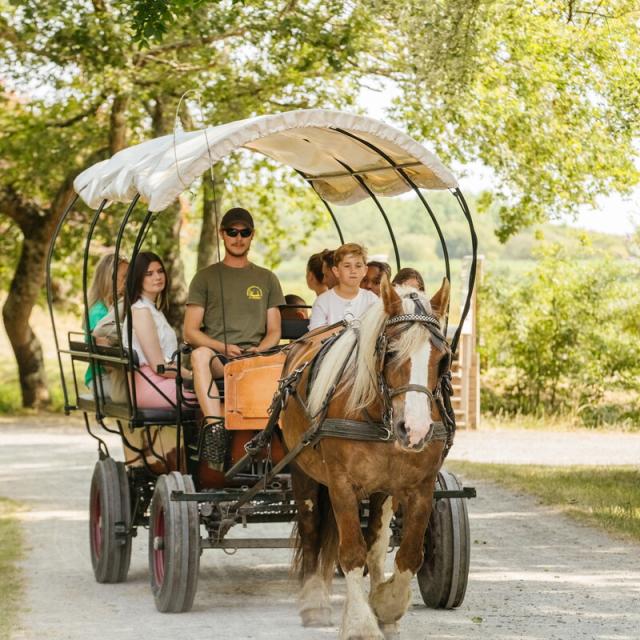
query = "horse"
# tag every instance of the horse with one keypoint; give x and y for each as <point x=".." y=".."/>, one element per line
<point x="384" y="371"/>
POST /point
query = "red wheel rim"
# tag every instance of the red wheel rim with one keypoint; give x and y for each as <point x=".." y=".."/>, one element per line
<point x="96" y="523"/>
<point x="158" y="549"/>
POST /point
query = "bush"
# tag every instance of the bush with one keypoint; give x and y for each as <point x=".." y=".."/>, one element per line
<point x="560" y="337"/>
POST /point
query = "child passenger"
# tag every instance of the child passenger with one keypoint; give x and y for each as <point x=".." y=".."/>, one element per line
<point x="346" y="300"/>
<point x="154" y="340"/>
<point x="409" y="278"/>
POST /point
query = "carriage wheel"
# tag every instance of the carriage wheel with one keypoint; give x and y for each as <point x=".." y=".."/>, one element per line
<point x="443" y="576"/>
<point x="174" y="545"/>
<point x="110" y="521"/>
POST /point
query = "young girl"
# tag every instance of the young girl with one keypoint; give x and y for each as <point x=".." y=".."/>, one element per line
<point x="345" y="301"/>
<point x="100" y="300"/>
<point x="315" y="277"/>
<point x="154" y="340"/>
<point x="409" y="278"/>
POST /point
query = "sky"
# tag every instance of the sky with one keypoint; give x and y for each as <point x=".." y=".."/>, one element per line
<point x="613" y="214"/>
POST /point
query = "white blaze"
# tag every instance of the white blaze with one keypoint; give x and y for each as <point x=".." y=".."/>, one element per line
<point x="417" y="408"/>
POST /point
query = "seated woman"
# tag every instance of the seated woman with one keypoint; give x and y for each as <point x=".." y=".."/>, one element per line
<point x="409" y="278"/>
<point x="315" y="276"/>
<point x="100" y="300"/>
<point x="154" y="340"/>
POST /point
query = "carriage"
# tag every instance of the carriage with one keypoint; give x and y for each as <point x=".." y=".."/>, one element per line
<point x="164" y="483"/>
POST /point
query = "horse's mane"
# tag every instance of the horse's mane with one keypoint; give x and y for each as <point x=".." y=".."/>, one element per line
<point x="360" y="371"/>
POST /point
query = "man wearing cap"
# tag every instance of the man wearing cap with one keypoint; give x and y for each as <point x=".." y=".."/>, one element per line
<point x="249" y="319"/>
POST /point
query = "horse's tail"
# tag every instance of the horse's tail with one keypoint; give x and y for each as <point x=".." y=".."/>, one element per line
<point x="328" y="536"/>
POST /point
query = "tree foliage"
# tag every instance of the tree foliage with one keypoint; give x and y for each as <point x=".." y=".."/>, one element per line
<point x="543" y="92"/>
<point x="564" y="335"/>
<point x="78" y="88"/>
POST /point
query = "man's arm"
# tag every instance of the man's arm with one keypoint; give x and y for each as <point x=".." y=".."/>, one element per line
<point x="193" y="318"/>
<point x="274" y="329"/>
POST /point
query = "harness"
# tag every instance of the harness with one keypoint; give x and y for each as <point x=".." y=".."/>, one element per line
<point x="367" y="430"/>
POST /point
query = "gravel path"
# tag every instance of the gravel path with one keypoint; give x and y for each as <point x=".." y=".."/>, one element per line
<point x="535" y="574"/>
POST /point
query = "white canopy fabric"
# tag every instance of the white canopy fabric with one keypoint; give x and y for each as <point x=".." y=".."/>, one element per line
<point x="307" y="140"/>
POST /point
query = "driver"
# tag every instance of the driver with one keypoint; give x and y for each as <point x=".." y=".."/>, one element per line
<point x="232" y="309"/>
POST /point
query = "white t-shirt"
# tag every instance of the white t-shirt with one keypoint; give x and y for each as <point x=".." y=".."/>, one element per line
<point x="166" y="334"/>
<point x="329" y="307"/>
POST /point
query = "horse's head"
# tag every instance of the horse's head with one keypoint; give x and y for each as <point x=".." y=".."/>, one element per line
<point x="413" y="356"/>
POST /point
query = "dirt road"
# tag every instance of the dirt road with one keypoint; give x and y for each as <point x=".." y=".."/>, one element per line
<point x="535" y="574"/>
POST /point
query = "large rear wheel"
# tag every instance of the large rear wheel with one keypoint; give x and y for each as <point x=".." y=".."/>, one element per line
<point x="444" y="573"/>
<point x="110" y="521"/>
<point x="174" y="545"/>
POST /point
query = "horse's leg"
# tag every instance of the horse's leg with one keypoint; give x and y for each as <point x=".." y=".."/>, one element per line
<point x="377" y="536"/>
<point x="390" y="599"/>
<point x="358" y="621"/>
<point x="314" y="604"/>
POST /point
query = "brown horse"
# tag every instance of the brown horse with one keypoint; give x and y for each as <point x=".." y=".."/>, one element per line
<point x="385" y="369"/>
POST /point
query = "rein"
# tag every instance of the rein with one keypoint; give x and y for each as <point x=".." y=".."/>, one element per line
<point x="321" y="426"/>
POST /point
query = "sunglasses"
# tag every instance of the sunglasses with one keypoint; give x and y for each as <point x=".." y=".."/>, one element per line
<point x="232" y="233"/>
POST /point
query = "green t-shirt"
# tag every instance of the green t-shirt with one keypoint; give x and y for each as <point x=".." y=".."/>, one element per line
<point x="248" y="293"/>
<point x="96" y="313"/>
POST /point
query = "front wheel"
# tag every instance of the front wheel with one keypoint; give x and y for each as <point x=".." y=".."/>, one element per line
<point x="444" y="573"/>
<point x="110" y="521"/>
<point x="174" y="545"/>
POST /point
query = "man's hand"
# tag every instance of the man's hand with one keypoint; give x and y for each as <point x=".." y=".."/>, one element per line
<point x="233" y="351"/>
<point x="252" y="350"/>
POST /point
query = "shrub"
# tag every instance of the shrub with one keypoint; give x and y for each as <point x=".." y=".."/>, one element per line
<point x="559" y="337"/>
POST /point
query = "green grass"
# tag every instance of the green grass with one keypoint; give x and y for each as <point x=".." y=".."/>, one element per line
<point x="11" y="549"/>
<point x="607" y="497"/>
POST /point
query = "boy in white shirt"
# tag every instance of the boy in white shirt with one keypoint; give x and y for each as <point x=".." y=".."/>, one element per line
<point x="346" y="300"/>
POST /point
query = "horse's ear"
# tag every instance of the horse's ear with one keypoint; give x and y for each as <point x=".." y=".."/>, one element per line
<point x="390" y="298"/>
<point x="440" y="300"/>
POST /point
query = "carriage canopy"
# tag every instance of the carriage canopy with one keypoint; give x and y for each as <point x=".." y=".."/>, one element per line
<point x="326" y="147"/>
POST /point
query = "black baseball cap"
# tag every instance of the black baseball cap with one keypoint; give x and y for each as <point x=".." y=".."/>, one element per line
<point x="235" y="215"/>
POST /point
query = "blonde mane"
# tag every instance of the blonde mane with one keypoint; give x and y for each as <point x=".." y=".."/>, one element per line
<point x="360" y="369"/>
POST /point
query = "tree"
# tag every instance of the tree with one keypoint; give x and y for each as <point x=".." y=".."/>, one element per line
<point x="98" y="91"/>
<point x="562" y="335"/>
<point x="542" y="92"/>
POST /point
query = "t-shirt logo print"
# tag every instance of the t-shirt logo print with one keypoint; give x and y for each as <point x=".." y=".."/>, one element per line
<point x="254" y="292"/>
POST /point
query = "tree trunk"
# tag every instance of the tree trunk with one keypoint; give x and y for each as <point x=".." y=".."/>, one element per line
<point x="211" y="201"/>
<point x="23" y="292"/>
<point x="27" y="282"/>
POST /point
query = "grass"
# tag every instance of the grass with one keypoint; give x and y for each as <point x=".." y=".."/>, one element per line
<point x="11" y="549"/>
<point x="607" y="497"/>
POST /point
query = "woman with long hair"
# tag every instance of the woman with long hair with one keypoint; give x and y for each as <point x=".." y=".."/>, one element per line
<point x="100" y="300"/>
<point x="154" y="339"/>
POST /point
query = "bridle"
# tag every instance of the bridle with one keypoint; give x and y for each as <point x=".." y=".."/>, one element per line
<point x="442" y="389"/>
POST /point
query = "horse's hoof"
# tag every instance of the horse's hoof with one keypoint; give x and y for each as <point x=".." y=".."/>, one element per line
<point x="391" y="630"/>
<point x="320" y="617"/>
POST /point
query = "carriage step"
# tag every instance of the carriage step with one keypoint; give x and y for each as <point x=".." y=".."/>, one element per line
<point x="248" y="543"/>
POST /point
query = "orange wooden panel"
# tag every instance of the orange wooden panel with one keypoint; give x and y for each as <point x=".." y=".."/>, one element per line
<point x="249" y="385"/>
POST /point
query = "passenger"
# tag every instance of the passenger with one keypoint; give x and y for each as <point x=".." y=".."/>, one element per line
<point x="295" y="309"/>
<point x="154" y="339"/>
<point x="248" y="317"/>
<point x="346" y="301"/>
<point x="329" y="278"/>
<point x="100" y="300"/>
<point x="409" y="278"/>
<point x="315" y="276"/>
<point x="373" y="277"/>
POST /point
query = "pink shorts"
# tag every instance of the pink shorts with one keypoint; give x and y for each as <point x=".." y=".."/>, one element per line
<point x="148" y="395"/>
